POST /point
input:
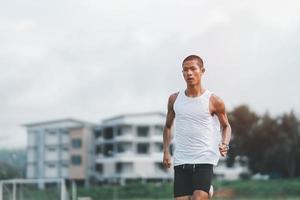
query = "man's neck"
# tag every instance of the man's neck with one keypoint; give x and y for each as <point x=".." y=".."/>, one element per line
<point x="194" y="90"/>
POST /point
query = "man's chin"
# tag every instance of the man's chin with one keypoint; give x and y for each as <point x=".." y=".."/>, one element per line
<point x="191" y="84"/>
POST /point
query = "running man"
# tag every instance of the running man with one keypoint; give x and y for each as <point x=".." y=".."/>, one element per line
<point x="200" y="117"/>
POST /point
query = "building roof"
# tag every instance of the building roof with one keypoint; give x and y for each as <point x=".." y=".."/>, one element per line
<point x="58" y="121"/>
<point x="134" y="115"/>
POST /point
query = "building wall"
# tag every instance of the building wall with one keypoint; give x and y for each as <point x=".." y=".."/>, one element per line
<point x="78" y="171"/>
<point x="51" y="149"/>
<point x="125" y="162"/>
<point x="48" y="151"/>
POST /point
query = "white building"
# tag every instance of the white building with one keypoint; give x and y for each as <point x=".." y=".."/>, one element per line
<point x="120" y="149"/>
<point x="239" y="168"/>
<point x="60" y="149"/>
<point x="130" y="147"/>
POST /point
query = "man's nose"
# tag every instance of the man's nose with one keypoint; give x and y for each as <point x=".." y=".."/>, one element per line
<point x="189" y="72"/>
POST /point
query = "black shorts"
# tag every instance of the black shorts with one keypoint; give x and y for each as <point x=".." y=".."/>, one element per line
<point x="190" y="177"/>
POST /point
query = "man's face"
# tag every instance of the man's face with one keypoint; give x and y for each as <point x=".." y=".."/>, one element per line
<point x="192" y="72"/>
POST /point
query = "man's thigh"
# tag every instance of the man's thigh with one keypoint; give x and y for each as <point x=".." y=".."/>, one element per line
<point x="183" y="198"/>
<point x="183" y="187"/>
<point x="200" y="195"/>
<point x="202" y="178"/>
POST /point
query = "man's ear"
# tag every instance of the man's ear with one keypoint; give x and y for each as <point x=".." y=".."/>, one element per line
<point x="202" y="69"/>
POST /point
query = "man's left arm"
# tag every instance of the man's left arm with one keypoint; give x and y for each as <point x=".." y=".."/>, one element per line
<point x="218" y="107"/>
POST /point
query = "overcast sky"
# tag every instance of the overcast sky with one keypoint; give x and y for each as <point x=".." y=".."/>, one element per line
<point x="92" y="59"/>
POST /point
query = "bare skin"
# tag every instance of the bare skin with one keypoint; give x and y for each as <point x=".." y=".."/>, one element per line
<point x="192" y="73"/>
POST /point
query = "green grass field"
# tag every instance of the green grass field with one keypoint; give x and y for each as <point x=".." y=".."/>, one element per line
<point x="224" y="190"/>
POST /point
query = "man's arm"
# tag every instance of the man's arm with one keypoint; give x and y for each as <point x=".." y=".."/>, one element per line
<point x="167" y="131"/>
<point x="218" y="108"/>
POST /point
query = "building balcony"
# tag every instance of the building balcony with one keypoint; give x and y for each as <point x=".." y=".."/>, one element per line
<point x="32" y="146"/>
<point x="125" y="137"/>
<point x="99" y="140"/>
<point x="156" y="138"/>
<point x="122" y="154"/>
<point x="32" y="161"/>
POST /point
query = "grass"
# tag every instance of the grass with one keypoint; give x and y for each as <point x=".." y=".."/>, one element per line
<point x="224" y="190"/>
<point x="261" y="189"/>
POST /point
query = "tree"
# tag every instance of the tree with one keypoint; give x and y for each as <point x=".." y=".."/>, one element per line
<point x="263" y="154"/>
<point x="8" y="172"/>
<point x="272" y="145"/>
<point x="289" y="141"/>
<point x="243" y="122"/>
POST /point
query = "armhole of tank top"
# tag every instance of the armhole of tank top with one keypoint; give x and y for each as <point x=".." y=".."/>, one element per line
<point x="176" y="99"/>
<point x="214" y="117"/>
<point x="209" y="96"/>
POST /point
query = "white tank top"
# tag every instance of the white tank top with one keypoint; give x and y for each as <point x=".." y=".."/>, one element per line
<point x="197" y="133"/>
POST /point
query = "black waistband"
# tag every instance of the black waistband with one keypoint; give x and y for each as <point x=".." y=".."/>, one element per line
<point x="193" y="166"/>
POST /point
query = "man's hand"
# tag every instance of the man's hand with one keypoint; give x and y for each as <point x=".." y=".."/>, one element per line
<point x="167" y="160"/>
<point x="223" y="148"/>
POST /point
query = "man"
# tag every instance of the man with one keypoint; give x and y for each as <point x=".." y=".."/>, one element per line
<point x="200" y="117"/>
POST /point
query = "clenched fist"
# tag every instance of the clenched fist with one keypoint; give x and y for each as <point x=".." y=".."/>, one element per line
<point x="167" y="160"/>
<point x="223" y="148"/>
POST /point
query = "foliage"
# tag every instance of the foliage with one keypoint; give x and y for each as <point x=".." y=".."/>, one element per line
<point x="12" y="163"/>
<point x="8" y="172"/>
<point x="272" y="145"/>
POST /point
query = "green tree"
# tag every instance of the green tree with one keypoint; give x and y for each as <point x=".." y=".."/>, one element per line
<point x="289" y="142"/>
<point x="263" y="154"/>
<point x="7" y="171"/>
<point x="243" y="121"/>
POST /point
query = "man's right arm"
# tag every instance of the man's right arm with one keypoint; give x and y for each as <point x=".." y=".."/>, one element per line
<point x="167" y="131"/>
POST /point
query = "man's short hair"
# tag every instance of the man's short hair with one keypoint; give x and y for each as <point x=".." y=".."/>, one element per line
<point x="194" y="57"/>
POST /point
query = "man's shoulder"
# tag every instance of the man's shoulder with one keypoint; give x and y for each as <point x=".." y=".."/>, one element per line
<point x="216" y="101"/>
<point x="173" y="97"/>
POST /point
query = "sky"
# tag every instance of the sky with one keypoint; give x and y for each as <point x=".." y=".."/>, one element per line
<point x="94" y="59"/>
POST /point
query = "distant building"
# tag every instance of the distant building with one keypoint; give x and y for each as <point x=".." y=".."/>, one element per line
<point x="237" y="171"/>
<point x="118" y="150"/>
<point x="129" y="147"/>
<point x="60" y="149"/>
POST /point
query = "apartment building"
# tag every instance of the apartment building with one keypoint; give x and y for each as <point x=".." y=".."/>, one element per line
<point x="60" y="149"/>
<point x="129" y="147"/>
<point x="118" y="150"/>
<point x="235" y="172"/>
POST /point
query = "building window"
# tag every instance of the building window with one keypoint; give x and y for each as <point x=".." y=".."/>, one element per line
<point x="50" y="132"/>
<point x="98" y="149"/>
<point x="65" y="148"/>
<point x="159" y="130"/>
<point x="143" y="131"/>
<point x="158" y="147"/>
<point x="126" y="167"/>
<point x="51" y="149"/>
<point x="119" y="131"/>
<point x="98" y="133"/>
<point x="108" y="133"/>
<point x="76" y="143"/>
<point x="76" y="160"/>
<point x="51" y="165"/>
<point x="142" y="148"/>
<point x="65" y="165"/>
<point x="108" y="150"/>
<point x="99" y="168"/>
<point x="124" y="147"/>
<point x="64" y="131"/>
